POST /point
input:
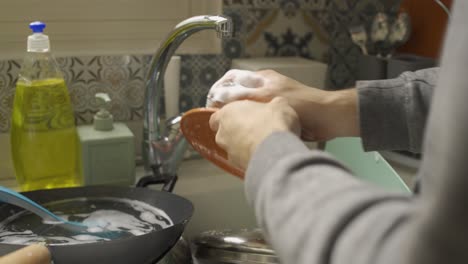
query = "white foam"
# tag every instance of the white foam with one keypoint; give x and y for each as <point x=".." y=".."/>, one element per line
<point x="100" y="221"/>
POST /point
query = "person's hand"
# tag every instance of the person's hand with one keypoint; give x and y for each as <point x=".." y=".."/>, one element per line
<point x="33" y="254"/>
<point x="242" y="125"/>
<point x="323" y="114"/>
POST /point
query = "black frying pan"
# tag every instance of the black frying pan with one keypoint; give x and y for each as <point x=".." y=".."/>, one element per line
<point x="143" y="249"/>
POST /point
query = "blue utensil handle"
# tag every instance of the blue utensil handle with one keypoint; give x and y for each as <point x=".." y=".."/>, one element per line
<point x="15" y="198"/>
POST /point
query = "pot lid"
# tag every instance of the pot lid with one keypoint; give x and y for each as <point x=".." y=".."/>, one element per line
<point x="229" y="246"/>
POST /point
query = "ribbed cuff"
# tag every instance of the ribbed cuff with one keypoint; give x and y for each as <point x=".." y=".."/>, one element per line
<point x="382" y="113"/>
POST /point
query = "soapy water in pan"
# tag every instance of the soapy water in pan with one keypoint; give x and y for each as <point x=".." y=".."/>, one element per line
<point x="124" y="217"/>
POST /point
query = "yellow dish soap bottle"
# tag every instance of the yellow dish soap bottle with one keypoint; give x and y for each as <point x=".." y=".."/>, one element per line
<point x="43" y="132"/>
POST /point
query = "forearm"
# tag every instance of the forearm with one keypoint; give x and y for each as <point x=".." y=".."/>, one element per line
<point x="314" y="211"/>
<point x="386" y="114"/>
<point x="326" y="114"/>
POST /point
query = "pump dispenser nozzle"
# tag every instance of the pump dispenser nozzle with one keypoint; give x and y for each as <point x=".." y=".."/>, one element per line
<point x="103" y="120"/>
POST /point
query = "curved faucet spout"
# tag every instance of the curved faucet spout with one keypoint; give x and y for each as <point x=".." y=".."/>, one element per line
<point x="162" y="150"/>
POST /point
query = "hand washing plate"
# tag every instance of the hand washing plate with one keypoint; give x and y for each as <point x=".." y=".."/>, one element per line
<point x="196" y="129"/>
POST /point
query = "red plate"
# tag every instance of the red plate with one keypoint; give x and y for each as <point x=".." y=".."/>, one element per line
<point x="196" y="129"/>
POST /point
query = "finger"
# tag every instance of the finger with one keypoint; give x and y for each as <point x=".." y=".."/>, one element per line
<point x="213" y="109"/>
<point x="222" y="82"/>
<point x="222" y="95"/>
<point x="228" y="78"/>
<point x="227" y="95"/>
<point x="235" y="161"/>
<point x="220" y="141"/>
<point x="214" y="120"/>
<point x="210" y="103"/>
<point x="278" y="100"/>
<point x="267" y="72"/>
<point x="33" y="254"/>
<point x="234" y="85"/>
<point x="248" y="79"/>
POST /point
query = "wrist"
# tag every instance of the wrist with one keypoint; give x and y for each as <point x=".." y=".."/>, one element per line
<point x="344" y="112"/>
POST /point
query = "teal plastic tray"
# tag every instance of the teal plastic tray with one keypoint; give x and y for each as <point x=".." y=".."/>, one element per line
<point x="369" y="166"/>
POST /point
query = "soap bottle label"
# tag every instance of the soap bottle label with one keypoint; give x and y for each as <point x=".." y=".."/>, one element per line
<point x="46" y="105"/>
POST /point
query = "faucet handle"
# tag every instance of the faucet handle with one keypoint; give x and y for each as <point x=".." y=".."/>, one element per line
<point x="173" y="125"/>
<point x="173" y="121"/>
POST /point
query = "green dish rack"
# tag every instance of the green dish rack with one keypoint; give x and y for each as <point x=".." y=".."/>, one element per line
<point x="369" y="166"/>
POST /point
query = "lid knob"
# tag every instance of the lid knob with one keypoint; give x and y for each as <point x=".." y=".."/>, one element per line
<point x="233" y="246"/>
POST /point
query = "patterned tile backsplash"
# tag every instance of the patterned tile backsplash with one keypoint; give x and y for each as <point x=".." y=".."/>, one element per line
<point x="315" y="29"/>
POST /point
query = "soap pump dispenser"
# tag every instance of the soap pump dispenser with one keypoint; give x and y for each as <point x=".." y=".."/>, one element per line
<point x="107" y="149"/>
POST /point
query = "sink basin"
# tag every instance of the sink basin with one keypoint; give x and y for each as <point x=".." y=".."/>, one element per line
<point x="218" y="197"/>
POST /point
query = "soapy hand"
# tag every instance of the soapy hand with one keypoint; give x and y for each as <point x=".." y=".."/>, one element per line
<point x="323" y="114"/>
<point x="241" y="126"/>
<point x="33" y="254"/>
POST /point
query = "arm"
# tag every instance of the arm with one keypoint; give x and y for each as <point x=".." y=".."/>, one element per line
<point x="323" y="114"/>
<point x="387" y="114"/>
<point x="314" y="211"/>
<point x="311" y="208"/>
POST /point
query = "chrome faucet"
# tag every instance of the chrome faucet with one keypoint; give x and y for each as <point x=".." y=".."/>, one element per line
<point x="164" y="146"/>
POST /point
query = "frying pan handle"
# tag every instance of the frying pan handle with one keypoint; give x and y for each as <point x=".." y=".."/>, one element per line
<point x="168" y="184"/>
<point x="168" y="181"/>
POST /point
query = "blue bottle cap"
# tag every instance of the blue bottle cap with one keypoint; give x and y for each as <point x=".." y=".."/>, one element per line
<point x="37" y="26"/>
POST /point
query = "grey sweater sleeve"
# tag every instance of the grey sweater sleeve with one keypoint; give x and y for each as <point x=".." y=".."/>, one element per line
<point x="314" y="211"/>
<point x="393" y="112"/>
